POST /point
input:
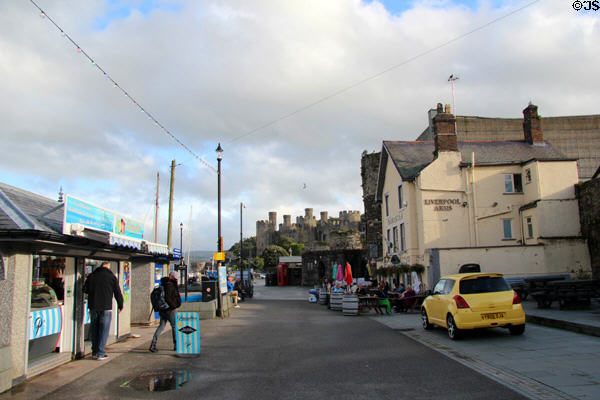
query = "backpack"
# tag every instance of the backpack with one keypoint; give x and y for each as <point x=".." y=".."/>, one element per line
<point x="157" y="298"/>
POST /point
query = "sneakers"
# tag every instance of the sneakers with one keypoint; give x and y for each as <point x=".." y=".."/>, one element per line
<point x="153" y="349"/>
<point x="100" y="358"/>
<point x="236" y="306"/>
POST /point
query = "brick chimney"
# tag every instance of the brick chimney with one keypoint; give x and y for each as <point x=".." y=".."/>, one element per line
<point x="532" y="125"/>
<point x="444" y="130"/>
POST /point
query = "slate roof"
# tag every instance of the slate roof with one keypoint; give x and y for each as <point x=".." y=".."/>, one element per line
<point x="410" y="158"/>
<point x="20" y="209"/>
<point x="575" y="136"/>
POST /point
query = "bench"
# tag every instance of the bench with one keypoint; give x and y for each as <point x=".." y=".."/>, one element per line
<point x="568" y="293"/>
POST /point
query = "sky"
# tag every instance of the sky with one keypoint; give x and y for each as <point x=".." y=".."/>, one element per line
<point x="294" y="91"/>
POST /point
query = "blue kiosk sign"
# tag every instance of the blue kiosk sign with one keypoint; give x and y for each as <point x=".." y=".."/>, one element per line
<point x="94" y="217"/>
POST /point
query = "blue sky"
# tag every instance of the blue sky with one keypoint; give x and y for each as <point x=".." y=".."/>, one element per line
<point x="121" y="9"/>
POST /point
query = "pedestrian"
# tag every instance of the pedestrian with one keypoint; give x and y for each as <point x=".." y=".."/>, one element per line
<point x="231" y="292"/>
<point x="100" y="286"/>
<point x="173" y="299"/>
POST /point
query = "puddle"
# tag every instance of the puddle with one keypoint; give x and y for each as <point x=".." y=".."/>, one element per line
<point x="159" y="381"/>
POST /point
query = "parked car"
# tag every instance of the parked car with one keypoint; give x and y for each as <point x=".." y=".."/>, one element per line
<point x="473" y="300"/>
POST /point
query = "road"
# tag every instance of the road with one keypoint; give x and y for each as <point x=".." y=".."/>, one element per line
<point x="287" y="349"/>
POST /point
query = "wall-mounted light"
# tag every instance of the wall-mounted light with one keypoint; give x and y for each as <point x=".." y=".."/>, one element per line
<point x="495" y="204"/>
<point x="464" y="204"/>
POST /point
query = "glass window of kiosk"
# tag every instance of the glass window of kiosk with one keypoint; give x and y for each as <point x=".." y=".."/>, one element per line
<point x="47" y="300"/>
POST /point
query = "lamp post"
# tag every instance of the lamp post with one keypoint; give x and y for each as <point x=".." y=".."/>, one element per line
<point x="241" y="242"/>
<point x="219" y="158"/>
<point x="181" y="261"/>
<point x="219" y="151"/>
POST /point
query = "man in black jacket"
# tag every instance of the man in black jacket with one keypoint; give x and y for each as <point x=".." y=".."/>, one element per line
<point x="173" y="299"/>
<point x="100" y="286"/>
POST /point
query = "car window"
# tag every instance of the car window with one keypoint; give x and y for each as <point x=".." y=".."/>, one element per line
<point x="439" y="287"/>
<point x="484" y="284"/>
<point x="448" y="286"/>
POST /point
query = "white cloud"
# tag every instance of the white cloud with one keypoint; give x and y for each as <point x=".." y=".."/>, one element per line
<point x="212" y="72"/>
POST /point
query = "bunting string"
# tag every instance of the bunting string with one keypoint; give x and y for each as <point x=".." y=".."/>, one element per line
<point x="156" y="122"/>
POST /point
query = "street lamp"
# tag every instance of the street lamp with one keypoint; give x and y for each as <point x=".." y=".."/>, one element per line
<point x="219" y="152"/>
<point x="181" y="261"/>
<point x="242" y="206"/>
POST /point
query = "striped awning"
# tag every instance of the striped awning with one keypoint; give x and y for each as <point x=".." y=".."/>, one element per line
<point x="122" y="241"/>
<point x="157" y="248"/>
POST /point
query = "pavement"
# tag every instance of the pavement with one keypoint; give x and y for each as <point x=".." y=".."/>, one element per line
<point x="292" y="341"/>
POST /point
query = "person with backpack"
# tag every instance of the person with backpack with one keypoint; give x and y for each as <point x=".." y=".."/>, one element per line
<point x="173" y="301"/>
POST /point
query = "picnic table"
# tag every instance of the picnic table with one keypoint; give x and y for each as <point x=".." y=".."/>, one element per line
<point x="568" y="293"/>
<point x="369" y="302"/>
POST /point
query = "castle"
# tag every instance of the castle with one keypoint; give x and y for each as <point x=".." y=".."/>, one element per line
<point x="325" y="233"/>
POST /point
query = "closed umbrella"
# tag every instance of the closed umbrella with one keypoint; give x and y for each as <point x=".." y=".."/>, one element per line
<point x="340" y="273"/>
<point x="348" y="274"/>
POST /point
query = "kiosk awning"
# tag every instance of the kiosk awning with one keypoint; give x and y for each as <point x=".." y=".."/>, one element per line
<point x="118" y="240"/>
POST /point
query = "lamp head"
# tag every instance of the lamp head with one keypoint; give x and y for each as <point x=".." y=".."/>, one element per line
<point x="219" y="151"/>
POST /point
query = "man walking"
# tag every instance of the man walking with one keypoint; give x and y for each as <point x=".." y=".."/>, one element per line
<point x="173" y="299"/>
<point x="100" y="286"/>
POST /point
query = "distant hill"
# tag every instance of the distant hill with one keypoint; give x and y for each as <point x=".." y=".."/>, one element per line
<point x="200" y="255"/>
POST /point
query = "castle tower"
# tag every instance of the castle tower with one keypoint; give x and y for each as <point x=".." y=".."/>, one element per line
<point x="273" y="218"/>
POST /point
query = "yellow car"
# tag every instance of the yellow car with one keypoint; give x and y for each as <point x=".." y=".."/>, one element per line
<point x="474" y="300"/>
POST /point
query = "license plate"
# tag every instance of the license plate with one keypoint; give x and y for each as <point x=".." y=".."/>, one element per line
<point x="494" y="315"/>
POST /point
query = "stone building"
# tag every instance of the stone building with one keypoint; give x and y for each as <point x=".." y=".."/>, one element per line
<point x="508" y="205"/>
<point x="369" y="168"/>
<point x="325" y="233"/>
<point x="588" y="194"/>
<point x="577" y="137"/>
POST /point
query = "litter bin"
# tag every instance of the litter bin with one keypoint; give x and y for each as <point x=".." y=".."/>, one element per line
<point x="271" y="279"/>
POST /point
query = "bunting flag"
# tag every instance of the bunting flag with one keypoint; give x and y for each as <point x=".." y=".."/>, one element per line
<point x="348" y="274"/>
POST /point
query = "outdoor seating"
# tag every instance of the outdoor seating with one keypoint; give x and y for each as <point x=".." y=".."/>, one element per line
<point x="568" y="293"/>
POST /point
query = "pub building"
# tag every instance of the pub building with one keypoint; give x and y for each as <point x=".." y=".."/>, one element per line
<point x="47" y="249"/>
<point x="507" y="205"/>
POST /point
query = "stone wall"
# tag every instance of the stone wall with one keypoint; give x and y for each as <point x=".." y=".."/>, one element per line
<point x="372" y="217"/>
<point x="588" y="194"/>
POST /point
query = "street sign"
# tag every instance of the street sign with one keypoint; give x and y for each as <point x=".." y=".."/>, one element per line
<point x="219" y="256"/>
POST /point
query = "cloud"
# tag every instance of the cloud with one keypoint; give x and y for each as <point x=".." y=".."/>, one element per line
<point x="214" y="71"/>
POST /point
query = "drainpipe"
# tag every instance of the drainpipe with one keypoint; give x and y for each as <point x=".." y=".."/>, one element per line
<point x="474" y="198"/>
<point x="467" y="193"/>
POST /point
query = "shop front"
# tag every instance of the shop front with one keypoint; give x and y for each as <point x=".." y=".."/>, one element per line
<point x="44" y="319"/>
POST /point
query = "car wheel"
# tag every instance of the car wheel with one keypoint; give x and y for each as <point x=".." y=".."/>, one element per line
<point x="453" y="331"/>
<point x="424" y="320"/>
<point x="516" y="329"/>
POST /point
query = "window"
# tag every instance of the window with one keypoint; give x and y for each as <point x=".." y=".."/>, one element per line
<point x="529" y="228"/>
<point x="448" y="286"/>
<point x="484" y="284"/>
<point x="402" y="238"/>
<point x="513" y="183"/>
<point x="528" y="175"/>
<point x="439" y="287"/>
<point x="400" y="196"/>
<point x="507" y="224"/>
<point x="444" y="286"/>
<point x="395" y="230"/>
<point x="387" y="205"/>
<point x="389" y="240"/>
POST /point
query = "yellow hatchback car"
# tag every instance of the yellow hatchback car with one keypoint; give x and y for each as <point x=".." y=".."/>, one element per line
<point x="474" y="300"/>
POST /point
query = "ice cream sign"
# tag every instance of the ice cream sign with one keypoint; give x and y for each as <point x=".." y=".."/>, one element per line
<point x="89" y="215"/>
